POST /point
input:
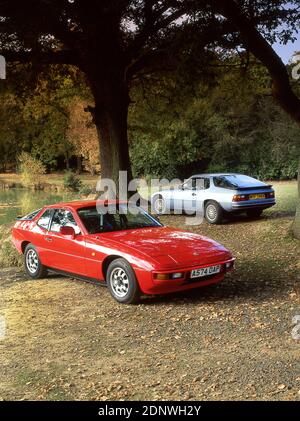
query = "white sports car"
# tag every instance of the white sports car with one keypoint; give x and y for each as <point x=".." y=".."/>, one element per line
<point x="214" y="195"/>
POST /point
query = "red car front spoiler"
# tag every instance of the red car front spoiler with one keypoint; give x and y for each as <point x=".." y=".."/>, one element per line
<point x="173" y="285"/>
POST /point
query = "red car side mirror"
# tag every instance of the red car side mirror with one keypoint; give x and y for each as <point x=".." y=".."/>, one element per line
<point x="68" y="231"/>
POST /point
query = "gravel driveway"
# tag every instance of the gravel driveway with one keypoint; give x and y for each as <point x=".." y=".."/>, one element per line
<point x="66" y="339"/>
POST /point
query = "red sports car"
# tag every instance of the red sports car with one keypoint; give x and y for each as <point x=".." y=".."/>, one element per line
<point x="132" y="253"/>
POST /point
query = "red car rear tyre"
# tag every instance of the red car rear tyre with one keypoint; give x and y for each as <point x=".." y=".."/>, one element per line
<point x="33" y="265"/>
<point x="122" y="283"/>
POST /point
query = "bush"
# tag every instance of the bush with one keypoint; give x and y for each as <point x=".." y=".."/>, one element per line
<point x="31" y="170"/>
<point x="71" y="181"/>
<point x="9" y="257"/>
<point x="86" y="190"/>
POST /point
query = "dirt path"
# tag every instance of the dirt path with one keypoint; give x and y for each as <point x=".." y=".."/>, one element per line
<point x="69" y="340"/>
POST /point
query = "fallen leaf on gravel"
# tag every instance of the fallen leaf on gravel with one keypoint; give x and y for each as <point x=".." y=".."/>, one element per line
<point x="230" y="338"/>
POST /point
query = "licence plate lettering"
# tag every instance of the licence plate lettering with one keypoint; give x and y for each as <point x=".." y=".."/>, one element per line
<point x="257" y="196"/>
<point x="210" y="270"/>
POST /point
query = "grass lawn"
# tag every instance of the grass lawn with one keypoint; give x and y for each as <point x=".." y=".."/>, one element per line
<point x="56" y="178"/>
<point x="285" y="189"/>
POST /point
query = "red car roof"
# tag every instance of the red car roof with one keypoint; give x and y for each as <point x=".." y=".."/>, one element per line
<point x="85" y="203"/>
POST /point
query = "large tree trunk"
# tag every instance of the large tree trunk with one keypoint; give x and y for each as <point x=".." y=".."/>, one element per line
<point x="111" y="95"/>
<point x="296" y="224"/>
<point x="67" y="162"/>
<point x="78" y="165"/>
<point x="112" y="131"/>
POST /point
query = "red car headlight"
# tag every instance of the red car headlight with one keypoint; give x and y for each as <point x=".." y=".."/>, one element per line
<point x="177" y="275"/>
<point x="229" y="265"/>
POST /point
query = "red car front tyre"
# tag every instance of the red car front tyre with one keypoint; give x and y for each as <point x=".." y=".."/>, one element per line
<point x="122" y="283"/>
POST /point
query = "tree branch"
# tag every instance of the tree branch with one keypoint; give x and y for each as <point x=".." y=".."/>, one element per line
<point x="263" y="51"/>
<point x="165" y="59"/>
<point x="43" y="57"/>
<point x="152" y="25"/>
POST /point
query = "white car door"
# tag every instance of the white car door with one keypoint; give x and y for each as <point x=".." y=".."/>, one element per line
<point x="201" y="187"/>
<point x="184" y="196"/>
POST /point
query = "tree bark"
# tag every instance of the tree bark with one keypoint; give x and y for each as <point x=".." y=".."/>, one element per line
<point x="112" y="132"/>
<point x="67" y="162"/>
<point x="78" y="165"/>
<point x="299" y="179"/>
<point x="110" y="114"/>
<point x="296" y="224"/>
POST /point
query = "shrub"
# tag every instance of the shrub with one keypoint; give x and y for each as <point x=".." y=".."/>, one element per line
<point x="71" y="181"/>
<point x="9" y="257"/>
<point x="31" y="170"/>
<point x="86" y="190"/>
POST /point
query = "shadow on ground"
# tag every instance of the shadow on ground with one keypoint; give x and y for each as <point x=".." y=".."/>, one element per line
<point x="254" y="282"/>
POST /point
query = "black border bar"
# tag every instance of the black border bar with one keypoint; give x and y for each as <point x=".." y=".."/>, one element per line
<point x="132" y="410"/>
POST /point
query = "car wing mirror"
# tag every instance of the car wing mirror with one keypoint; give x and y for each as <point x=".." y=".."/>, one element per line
<point x="68" y="232"/>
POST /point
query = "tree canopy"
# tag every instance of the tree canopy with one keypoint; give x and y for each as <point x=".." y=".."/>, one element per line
<point x="224" y="121"/>
<point x="116" y="42"/>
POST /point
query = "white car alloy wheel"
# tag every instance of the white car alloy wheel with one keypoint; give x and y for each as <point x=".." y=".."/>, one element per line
<point x="211" y="212"/>
<point x="159" y="205"/>
<point x="32" y="261"/>
<point x="119" y="282"/>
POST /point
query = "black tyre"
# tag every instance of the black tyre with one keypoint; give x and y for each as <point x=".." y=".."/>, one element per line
<point x="213" y="212"/>
<point x="122" y="283"/>
<point x="159" y="205"/>
<point x="254" y="213"/>
<point x="33" y="265"/>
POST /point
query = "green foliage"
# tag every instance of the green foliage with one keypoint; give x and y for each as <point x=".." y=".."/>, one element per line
<point x="215" y="117"/>
<point x="34" y="114"/>
<point x="148" y="35"/>
<point x="180" y="126"/>
<point x="71" y="181"/>
<point x="31" y="170"/>
<point x="86" y="190"/>
<point x="9" y="257"/>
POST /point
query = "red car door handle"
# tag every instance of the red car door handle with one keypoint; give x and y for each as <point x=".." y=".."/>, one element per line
<point x="49" y="239"/>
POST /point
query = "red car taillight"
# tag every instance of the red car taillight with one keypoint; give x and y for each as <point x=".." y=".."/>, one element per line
<point x="240" y="197"/>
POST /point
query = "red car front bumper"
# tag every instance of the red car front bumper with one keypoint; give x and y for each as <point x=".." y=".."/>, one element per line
<point x="150" y="285"/>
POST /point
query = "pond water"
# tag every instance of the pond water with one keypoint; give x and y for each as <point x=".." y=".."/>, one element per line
<point x="17" y="202"/>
